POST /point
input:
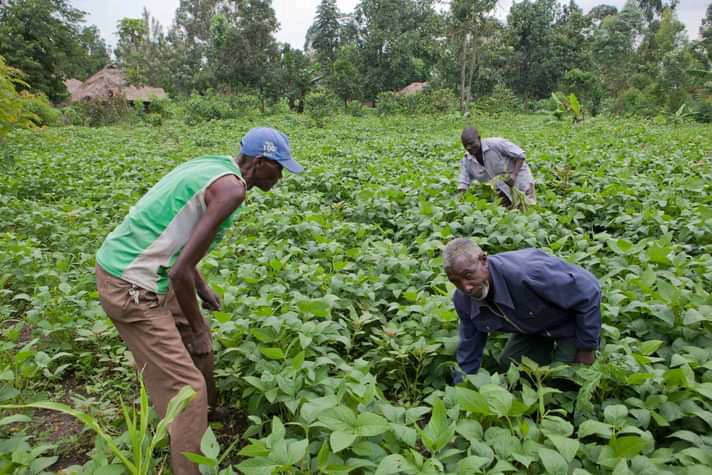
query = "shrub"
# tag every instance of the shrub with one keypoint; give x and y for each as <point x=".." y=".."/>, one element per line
<point x="436" y="101"/>
<point x="319" y="105"/>
<point x="702" y="110"/>
<point x="39" y="107"/>
<point x="98" y="112"/>
<point x="502" y="99"/>
<point x="388" y="103"/>
<point x="355" y="108"/>
<point x="633" y="101"/>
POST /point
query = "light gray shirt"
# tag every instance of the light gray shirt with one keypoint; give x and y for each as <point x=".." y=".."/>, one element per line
<point x="498" y="156"/>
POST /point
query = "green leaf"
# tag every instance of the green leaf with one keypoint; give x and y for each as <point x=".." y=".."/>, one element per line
<point x="317" y="307"/>
<point x="498" y="399"/>
<point x="615" y="413"/>
<point x="392" y="464"/>
<point x="296" y="451"/>
<point x="200" y="459"/>
<point x="39" y="464"/>
<point x="471" y="401"/>
<point x="591" y="427"/>
<point x="649" y="347"/>
<point x="566" y="447"/>
<point x="311" y="410"/>
<point x="628" y="446"/>
<point x="17" y="418"/>
<point x="298" y="361"/>
<point x="620" y="246"/>
<point x="340" y="440"/>
<point x="369" y="424"/>
<point x="659" y="254"/>
<point x="471" y="464"/>
<point x="338" y="418"/>
<point x="257" y="466"/>
<point x="273" y="353"/>
<point x="554" y="463"/>
<point x="209" y="444"/>
<point x="692" y="316"/>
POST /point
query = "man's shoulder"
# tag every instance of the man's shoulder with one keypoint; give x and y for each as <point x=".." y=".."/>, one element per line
<point x="520" y="263"/>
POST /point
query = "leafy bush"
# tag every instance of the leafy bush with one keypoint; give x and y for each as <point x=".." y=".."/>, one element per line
<point x="319" y="105"/>
<point x="502" y="99"/>
<point x="98" y="112"/>
<point x="702" y="110"/>
<point x="355" y="108"/>
<point x="633" y="101"/>
<point x="429" y="101"/>
<point x="39" y="107"/>
<point x="213" y="106"/>
<point x="14" y="108"/>
<point x="388" y="103"/>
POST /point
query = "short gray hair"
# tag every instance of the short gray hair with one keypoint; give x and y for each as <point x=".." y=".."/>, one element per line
<point x="457" y="249"/>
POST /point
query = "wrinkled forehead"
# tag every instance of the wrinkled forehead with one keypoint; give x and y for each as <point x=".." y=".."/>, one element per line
<point x="464" y="263"/>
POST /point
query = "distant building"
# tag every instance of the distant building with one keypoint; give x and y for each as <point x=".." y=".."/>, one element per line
<point x="110" y="82"/>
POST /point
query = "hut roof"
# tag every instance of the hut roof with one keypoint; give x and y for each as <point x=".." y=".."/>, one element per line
<point x="72" y="85"/>
<point x="413" y="88"/>
<point x="110" y="82"/>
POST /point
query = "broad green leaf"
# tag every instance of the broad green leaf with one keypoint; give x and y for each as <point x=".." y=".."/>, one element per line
<point x="257" y="466"/>
<point x="472" y="401"/>
<point x="650" y="346"/>
<point x="620" y="246"/>
<point x="393" y="464"/>
<point x="273" y="353"/>
<point x="369" y="424"/>
<point x="200" y="459"/>
<point x="340" y="440"/>
<point x="338" y="418"/>
<point x="471" y="464"/>
<point x="615" y="413"/>
<point x="595" y="427"/>
<point x="628" y="446"/>
<point x="296" y="451"/>
<point x="498" y="399"/>
<point x="659" y="254"/>
<point x="209" y="444"/>
<point x="553" y="462"/>
<point x="17" y="418"/>
<point x="566" y="447"/>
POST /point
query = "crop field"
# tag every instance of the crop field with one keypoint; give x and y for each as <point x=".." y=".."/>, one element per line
<point x="335" y="344"/>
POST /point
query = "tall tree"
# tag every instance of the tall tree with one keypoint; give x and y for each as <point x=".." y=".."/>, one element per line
<point x="397" y="41"/>
<point x="468" y="28"/>
<point x="535" y="72"/>
<point x="345" y="78"/>
<point x="42" y="38"/>
<point x="323" y="34"/>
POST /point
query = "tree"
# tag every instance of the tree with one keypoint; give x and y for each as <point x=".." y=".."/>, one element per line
<point x="42" y="38"/>
<point x="95" y="54"/>
<point x="345" y="78"/>
<point x="323" y="35"/>
<point x="535" y="71"/>
<point x="397" y="42"/>
<point x="706" y="33"/>
<point x="614" y="47"/>
<point x="12" y="110"/>
<point x="297" y="77"/>
<point x="468" y="28"/>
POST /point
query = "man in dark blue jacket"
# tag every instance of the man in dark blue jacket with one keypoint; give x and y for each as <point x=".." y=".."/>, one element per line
<point x="551" y="307"/>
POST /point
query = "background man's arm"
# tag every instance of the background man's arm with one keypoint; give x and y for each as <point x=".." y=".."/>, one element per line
<point x="221" y="198"/>
<point x="464" y="180"/>
<point x="517" y="157"/>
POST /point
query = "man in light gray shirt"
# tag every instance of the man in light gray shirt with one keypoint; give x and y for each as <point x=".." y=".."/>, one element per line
<point x="486" y="159"/>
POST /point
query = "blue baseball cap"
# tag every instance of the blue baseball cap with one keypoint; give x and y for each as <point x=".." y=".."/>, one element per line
<point x="272" y="144"/>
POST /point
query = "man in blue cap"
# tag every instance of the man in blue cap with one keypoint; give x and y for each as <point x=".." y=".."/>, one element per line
<point x="147" y="274"/>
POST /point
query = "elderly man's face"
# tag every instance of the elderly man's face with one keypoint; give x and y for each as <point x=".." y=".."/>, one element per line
<point x="471" y="275"/>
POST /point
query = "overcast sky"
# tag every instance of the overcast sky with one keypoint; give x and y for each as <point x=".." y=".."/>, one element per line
<point x="295" y="16"/>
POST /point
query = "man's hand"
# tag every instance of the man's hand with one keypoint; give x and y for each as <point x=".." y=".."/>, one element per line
<point x="210" y="299"/>
<point x="585" y="357"/>
<point x="202" y="342"/>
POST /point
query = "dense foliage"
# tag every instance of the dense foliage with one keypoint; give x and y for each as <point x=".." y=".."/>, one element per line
<point x="337" y="335"/>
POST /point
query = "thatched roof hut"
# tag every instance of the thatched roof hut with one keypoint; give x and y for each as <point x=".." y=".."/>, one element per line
<point x="72" y="85"/>
<point x="110" y="82"/>
<point x="413" y="88"/>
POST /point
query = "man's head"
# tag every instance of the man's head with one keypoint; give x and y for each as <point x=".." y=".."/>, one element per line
<point x="466" y="267"/>
<point x="263" y="153"/>
<point x="470" y="138"/>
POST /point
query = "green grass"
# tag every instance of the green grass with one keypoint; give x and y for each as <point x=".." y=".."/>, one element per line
<point x="337" y="333"/>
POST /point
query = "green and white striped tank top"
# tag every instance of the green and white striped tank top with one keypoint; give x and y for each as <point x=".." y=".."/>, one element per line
<point x="147" y="243"/>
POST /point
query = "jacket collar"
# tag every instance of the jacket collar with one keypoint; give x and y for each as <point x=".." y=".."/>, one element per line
<point x="501" y="291"/>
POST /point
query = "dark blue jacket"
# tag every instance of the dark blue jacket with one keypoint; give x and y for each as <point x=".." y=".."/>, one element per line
<point x="539" y="295"/>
